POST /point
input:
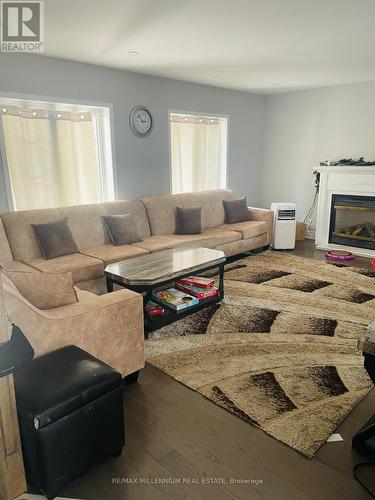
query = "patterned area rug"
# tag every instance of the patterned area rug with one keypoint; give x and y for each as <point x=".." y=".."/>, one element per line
<point x="280" y="352"/>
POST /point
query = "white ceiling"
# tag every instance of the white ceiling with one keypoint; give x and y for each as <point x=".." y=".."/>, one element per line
<point x="261" y="46"/>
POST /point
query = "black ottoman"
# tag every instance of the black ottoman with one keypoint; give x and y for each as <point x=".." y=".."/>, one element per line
<point x="70" y="411"/>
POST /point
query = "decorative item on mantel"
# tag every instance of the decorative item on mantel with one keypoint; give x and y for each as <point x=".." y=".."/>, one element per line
<point x="349" y="162"/>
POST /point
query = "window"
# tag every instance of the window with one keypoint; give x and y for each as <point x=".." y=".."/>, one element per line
<point x="55" y="154"/>
<point x="198" y="152"/>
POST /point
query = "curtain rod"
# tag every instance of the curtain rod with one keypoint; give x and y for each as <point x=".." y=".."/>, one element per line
<point x="44" y="114"/>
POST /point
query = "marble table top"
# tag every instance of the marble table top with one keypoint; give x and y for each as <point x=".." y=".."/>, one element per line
<point x="163" y="266"/>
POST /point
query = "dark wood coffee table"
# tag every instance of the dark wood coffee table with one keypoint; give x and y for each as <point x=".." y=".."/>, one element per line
<point x="158" y="270"/>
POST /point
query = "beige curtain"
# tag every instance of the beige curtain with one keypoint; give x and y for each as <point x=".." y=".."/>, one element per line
<point x="51" y="157"/>
<point x="198" y="154"/>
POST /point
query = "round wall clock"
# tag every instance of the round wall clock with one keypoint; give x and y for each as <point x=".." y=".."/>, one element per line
<point x="141" y="121"/>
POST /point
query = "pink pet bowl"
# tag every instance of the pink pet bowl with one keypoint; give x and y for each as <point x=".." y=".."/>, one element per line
<point x="339" y="255"/>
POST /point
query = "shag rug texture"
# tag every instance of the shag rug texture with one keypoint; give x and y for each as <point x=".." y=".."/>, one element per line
<point x="281" y="351"/>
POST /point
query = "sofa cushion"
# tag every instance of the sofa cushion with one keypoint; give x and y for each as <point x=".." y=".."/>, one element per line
<point x="55" y="238"/>
<point x="159" y="242"/>
<point x="44" y="290"/>
<point x="21" y="236"/>
<point x="86" y="224"/>
<point x="248" y="229"/>
<point x="236" y="210"/>
<point x="208" y="239"/>
<point x="162" y="214"/>
<point x="122" y="229"/>
<point x="222" y="236"/>
<point x="189" y="220"/>
<point x="201" y="199"/>
<point x="110" y="253"/>
<point x="196" y="240"/>
<point x="82" y="267"/>
<point x="211" y="203"/>
<point x="133" y="207"/>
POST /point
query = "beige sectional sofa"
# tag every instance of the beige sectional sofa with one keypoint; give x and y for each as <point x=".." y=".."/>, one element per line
<point x="155" y="218"/>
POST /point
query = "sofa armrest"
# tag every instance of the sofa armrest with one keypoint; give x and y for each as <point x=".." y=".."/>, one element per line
<point x="110" y="327"/>
<point x="263" y="214"/>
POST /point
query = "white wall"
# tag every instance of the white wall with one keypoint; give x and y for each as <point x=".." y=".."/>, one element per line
<point x="143" y="164"/>
<point x="306" y="127"/>
<point x="274" y="141"/>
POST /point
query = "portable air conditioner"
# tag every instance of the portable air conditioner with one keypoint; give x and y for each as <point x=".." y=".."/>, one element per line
<point x="284" y="225"/>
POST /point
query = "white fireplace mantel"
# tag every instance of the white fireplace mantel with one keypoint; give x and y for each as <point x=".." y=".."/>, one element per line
<point x="348" y="180"/>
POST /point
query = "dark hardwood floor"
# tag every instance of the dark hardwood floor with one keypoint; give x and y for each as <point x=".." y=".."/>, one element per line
<point x="182" y="446"/>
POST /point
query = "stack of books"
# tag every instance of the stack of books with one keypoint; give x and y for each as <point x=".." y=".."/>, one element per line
<point x="175" y="299"/>
<point x="198" y="287"/>
<point x="187" y="292"/>
<point x="153" y="309"/>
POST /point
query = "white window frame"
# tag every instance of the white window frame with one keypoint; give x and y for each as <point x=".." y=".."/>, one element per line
<point x="196" y="113"/>
<point x="63" y="104"/>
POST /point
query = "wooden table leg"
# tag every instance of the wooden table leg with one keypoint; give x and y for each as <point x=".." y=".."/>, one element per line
<point x="12" y="473"/>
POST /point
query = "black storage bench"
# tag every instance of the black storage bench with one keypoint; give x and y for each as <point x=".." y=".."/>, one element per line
<point x="70" y="411"/>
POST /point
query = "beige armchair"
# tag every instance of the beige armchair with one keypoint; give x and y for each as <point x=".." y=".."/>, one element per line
<point x="110" y="326"/>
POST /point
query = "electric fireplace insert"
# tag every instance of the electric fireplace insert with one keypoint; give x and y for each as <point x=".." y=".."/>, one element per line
<point x="352" y="221"/>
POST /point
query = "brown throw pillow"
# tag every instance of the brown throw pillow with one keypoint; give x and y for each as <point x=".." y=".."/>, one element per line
<point x="55" y="238"/>
<point x="122" y="229"/>
<point x="236" y="211"/>
<point x="189" y="220"/>
<point x="44" y="290"/>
